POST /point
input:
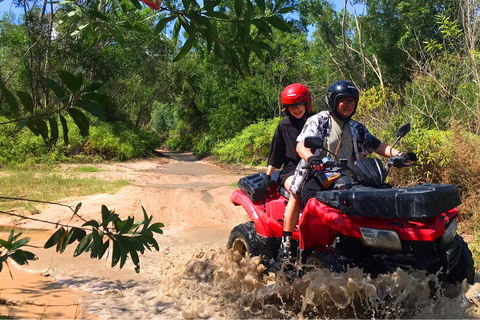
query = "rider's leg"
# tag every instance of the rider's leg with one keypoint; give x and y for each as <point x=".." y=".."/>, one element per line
<point x="290" y="221"/>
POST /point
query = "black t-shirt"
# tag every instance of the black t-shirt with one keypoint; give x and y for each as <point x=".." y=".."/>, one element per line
<point x="283" y="153"/>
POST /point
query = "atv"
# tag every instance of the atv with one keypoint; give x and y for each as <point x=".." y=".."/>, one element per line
<point x="360" y="222"/>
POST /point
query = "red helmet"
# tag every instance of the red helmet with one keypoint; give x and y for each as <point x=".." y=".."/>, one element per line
<point x="296" y="93"/>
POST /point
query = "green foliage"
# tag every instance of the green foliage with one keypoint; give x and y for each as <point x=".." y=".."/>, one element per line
<point x="119" y="142"/>
<point x="251" y="146"/>
<point x="112" y="141"/>
<point x="122" y="238"/>
<point x="164" y="118"/>
<point x="10" y="249"/>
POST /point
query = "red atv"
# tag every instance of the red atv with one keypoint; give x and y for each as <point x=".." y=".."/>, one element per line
<point x="362" y="222"/>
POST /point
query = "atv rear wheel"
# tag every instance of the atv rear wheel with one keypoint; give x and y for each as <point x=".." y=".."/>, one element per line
<point x="465" y="268"/>
<point x="243" y="239"/>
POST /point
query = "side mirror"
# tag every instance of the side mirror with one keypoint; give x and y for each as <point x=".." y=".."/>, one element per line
<point x="403" y="130"/>
<point x="313" y="143"/>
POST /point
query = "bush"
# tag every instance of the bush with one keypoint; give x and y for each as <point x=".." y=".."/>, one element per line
<point x="106" y="141"/>
<point x="251" y="146"/>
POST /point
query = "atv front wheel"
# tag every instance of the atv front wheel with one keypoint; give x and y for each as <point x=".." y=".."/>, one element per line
<point x="465" y="268"/>
<point x="243" y="239"/>
<point x="329" y="259"/>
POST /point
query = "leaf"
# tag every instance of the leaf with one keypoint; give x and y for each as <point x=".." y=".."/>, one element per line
<point x="278" y="23"/>
<point x="92" y="108"/>
<point x="6" y="244"/>
<point x="53" y="130"/>
<point x="103" y="249"/>
<point x="82" y="245"/>
<point x="162" y="23"/>
<point x="26" y="100"/>
<point x="186" y="48"/>
<point x="105" y="212"/>
<point x="42" y="128"/>
<point x="176" y="31"/>
<point x="91" y="223"/>
<point x="77" y="207"/>
<point x="135" y="260"/>
<point x="128" y="224"/>
<point x="54" y="86"/>
<point x="265" y="46"/>
<point x="115" y="253"/>
<point x="66" y="241"/>
<point x="117" y="35"/>
<point x="80" y="120"/>
<point x="103" y="100"/>
<point x="238" y="7"/>
<point x="53" y="240"/>
<point x="21" y="257"/>
<point x="93" y="86"/>
<point x="65" y="130"/>
<point x="156" y="227"/>
<point x="21" y="124"/>
<point x="286" y="10"/>
<point x="218" y="15"/>
<point x="98" y="15"/>
<point x="137" y="4"/>
<point x="261" y="5"/>
<point x="11" y="100"/>
<point x="70" y="80"/>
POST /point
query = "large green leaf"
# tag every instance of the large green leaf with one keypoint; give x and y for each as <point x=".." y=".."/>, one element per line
<point x="54" y="86"/>
<point x="80" y="120"/>
<point x="65" y="129"/>
<point x="137" y="4"/>
<point x="261" y="5"/>
<point x="238" y="7"/>
<point x="11" y="100"/>
<point x="162" y="23"/>
<point x="53" y="130"/>
<point x="53" y="240"/>
<point x="92" y="108"/>
<point x="185" y="49"/>
<point x="70" y="80"/>
<point x="26" y="100"/>
<point x="278" y="23"/>
<point x="84" y="242"/>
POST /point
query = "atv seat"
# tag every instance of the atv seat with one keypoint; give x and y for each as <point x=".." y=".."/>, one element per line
<point x="281" y="188"/>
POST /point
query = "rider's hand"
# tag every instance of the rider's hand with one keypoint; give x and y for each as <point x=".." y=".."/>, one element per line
<point x="315" y="162"/>
<point x="409" y="156"/>
<point x="267" y="181"/>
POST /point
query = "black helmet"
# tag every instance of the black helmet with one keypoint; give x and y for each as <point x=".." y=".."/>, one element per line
<point x="341" y="89"/>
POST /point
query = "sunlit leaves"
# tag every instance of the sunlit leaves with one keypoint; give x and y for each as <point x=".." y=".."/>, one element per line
<point x="70" y="92"/>
<point x="11" y="249"/>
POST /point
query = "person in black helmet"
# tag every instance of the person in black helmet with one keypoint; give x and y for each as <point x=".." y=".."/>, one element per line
<point x="348" y="139"/>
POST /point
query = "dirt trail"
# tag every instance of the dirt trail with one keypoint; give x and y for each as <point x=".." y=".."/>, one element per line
<point x="191" y="198"/>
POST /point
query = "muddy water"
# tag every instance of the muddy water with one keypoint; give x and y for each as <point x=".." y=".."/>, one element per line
<point x="194" y="276"/>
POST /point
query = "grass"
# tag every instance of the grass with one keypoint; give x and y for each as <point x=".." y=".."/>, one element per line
<point x="87" y="169"/>
<point x="46" y="183"/>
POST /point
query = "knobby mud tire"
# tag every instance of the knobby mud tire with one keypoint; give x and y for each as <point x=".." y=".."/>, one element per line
<point x="243" y="239"/>
<point x="330" y="260"/>
<point x="465" y="267"/>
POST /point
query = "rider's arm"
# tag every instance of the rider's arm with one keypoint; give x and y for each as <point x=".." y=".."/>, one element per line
<point x="385" y="149"/>
<point x="270" y="170"/>
<point x="303" y="151"/>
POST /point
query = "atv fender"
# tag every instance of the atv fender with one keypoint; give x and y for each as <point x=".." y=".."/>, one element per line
<point x="241" y="199"/>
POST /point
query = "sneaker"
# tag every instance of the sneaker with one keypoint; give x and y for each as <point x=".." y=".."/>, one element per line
<point x="284" y="254"/>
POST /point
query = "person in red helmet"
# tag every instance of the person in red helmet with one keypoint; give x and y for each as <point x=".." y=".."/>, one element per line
<point x="297" y="105"/>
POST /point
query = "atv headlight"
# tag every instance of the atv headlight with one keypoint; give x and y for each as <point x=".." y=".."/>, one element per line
<point x="450" y="232"/>
<point x="381" y="239"/>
